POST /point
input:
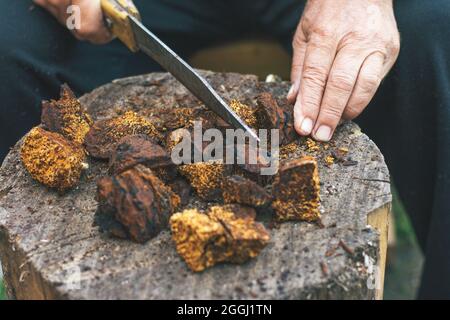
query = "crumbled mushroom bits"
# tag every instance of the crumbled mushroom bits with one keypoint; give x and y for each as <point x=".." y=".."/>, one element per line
<point x="296" y="191"/>
<point x="104" y="135"/>
<point x="66" y="116"/>
<point x="181" y="117"/>
<point x="223" y="234"/>
<point x="135" y="204"/>
<point x="244" y="112"/>
<point x="205" y="178"/>
<point x="51" y="159"/>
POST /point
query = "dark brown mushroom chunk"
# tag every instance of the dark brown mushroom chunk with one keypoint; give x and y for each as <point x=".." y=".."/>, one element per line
<point x="135" y="204"/>
<point x="104" y="135"/>
<point x="141" y="149"/>
<point x="66" y="116"/>
<point x="237" y="189"/>
<point x="183" y="189"/>
<point x="271" y="116"/>
<point x="296" y="191"/>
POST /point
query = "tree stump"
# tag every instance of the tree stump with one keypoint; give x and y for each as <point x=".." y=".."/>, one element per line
<point x="50" y="249"/>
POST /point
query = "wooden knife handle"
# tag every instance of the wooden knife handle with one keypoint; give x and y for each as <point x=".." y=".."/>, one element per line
<point x="116" y="14"/>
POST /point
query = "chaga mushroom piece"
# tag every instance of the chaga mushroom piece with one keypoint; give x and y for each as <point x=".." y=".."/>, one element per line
<point x="199" y="240"/>
<point x="271" y="116"/>
<point x="206" y="178"/>
<point x="51" y="159"/>
<point x="245" y="112"/>
<point x="245" y="237"/>
<point x="184" y="137"/>
<point x="253" y="164"/>
<point x="186" y="116"/>
<point x="237" y="189"/>
<point x="140" y="149"/>
<point x="66" y="116"/>
<point x="135" y="204"/>
<point x="176" y="136"/>
<point x="182" y="189"/>
<point x="104" y="135"/>
<point x="224" y="234"/>
<point x="181" y="117"/>
<point x="288" y="134"/>
<point x="296" y="191"/>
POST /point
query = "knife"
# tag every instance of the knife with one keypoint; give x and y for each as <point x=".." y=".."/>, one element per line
<point x="123" y="19"/>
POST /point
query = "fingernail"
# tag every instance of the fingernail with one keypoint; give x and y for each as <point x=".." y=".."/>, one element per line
<point x="307" y="126"/>
<point x="323" y="133"/>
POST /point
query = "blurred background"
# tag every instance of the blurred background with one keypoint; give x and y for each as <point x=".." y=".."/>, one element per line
<point x="263" y="57"/>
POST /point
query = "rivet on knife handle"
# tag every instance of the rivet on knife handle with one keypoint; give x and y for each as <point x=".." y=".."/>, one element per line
<point x="116" y="12"/>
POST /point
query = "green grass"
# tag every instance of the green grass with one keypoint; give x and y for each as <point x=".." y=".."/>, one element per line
<point x="2" y="290"/>
<point x="403" y="273"/>
<point x="403" y="227"/>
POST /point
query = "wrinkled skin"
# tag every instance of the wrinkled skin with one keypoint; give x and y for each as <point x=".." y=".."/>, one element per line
<point x="342" y="51"/>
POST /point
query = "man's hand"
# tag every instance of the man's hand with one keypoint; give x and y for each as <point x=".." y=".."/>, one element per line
<point x="92" y="27"/>
<point x="342" y="51"/>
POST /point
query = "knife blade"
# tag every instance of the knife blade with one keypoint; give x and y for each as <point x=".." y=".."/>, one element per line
<point x="150" y="44"/>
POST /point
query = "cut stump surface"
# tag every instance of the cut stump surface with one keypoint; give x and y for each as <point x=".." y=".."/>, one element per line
<point x="50" y="249"/>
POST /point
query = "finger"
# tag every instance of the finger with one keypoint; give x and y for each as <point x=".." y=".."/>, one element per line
<point x="368" y="81"/>
<point x="92" y="26"/>
<point x="319" y="57"/>
<point x="340" y="84"/>
<point x="63" y="15"/>
<point x="298" y="59"/>
<point x="296" y="71"/>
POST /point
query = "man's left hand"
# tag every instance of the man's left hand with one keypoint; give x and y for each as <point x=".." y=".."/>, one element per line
<point x="342" y="51"/>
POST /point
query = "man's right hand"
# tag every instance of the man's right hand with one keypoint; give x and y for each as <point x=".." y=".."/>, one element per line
<point x="92" y="27"/>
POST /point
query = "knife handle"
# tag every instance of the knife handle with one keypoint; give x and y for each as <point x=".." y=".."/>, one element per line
<point x="116" y="14"/>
